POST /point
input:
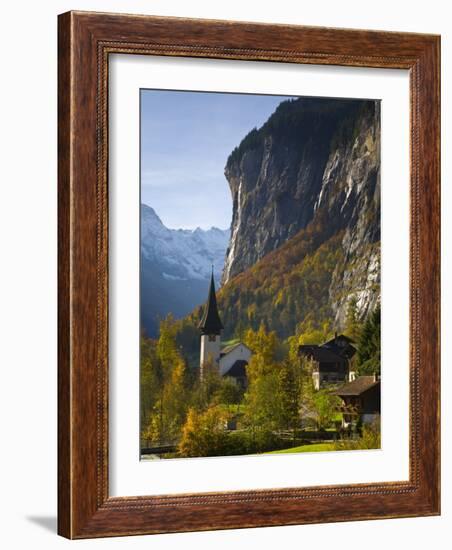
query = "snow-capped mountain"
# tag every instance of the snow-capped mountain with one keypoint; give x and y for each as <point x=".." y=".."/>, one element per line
<point x="175" y="267"/>
<point x="182" y="254"/>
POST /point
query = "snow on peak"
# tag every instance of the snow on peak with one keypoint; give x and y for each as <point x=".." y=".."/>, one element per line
<point x="182" y="254"/>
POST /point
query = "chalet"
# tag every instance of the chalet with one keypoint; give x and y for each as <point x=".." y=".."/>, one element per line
<point x="230" y="360"/>
<point x="361" y="400"/>
<point x="331" y="360"/>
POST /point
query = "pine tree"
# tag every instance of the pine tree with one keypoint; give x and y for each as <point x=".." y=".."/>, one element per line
<point x="352" y="324"/>
<point x="289" y="395"/>
<point x="369" y="348"/>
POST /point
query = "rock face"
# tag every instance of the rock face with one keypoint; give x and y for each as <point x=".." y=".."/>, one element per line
<point x="312" y="158"/>
<point x="176" y="267"/>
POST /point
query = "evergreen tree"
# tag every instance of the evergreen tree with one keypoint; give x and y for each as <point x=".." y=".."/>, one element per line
<point x="352" y="323"/>
<point x="289" y="396"/>
<point x="369" y="348"/>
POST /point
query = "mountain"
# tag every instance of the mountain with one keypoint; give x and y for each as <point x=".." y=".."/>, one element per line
<point x="305" y="234"/>
<point x="176" y="265"/>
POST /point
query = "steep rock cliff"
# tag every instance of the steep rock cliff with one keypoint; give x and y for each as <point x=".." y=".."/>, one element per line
<point x="313" y="158"/>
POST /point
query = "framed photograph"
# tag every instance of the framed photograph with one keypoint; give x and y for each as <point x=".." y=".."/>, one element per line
<point x="248" y="275"/>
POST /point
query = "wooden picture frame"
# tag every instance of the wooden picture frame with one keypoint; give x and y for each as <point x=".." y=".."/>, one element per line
<point x="85" y="42"/>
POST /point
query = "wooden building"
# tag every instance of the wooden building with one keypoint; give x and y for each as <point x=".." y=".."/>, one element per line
<point x="361" y="400"/>
<point x="331" y="360"/>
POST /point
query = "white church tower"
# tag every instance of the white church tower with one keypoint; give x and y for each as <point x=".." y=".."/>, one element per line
<point x="210" y="327"/>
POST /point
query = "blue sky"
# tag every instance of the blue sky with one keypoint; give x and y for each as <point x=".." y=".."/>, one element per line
<point x="186" y="138"/>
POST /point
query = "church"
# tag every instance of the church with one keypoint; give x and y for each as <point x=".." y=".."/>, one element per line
<point x="230" y="360"/>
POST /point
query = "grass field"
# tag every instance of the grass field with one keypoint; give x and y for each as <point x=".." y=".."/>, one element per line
<point x="313" y="448"/>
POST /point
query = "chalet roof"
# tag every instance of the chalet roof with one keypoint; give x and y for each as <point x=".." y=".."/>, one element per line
<point x="321" y="354"/>
<point x="232" y="347"/>
<point x="341" y="345"/>
<point x="210" y="322"/>
<point x="339" y="337"/>
<point x="238" y="369"/>
<point x="357" y="386"/>
<point x="334" y="351"/>
<point x="347" y="351"/>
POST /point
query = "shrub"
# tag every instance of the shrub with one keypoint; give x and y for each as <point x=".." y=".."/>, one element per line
<point x="370" y="438"/>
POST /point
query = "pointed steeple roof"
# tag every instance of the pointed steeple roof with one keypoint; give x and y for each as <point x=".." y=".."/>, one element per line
<point x="210" y="322"/>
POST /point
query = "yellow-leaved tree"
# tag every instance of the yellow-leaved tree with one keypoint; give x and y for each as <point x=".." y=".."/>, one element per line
<point x="169" y="410"/>
<point x="204" y="433"/>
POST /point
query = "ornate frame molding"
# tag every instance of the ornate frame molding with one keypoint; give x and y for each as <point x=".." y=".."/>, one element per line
<point x="85" y="42"/>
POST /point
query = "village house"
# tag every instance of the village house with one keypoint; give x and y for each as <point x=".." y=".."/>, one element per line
<point x="231" y="360"/>
<point x="332" y="366"/>
<point x="331" y="360"/>
<point x="361" y="400"/>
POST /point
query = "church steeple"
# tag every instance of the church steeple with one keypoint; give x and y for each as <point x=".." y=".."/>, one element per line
<point x="211" y="322"/>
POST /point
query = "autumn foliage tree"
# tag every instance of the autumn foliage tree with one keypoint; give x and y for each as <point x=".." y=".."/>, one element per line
<point x="290" y="394"/>
<point x="164" y="386"/>
<point x="204" y="433"/>
<point x="181" y="409"/>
